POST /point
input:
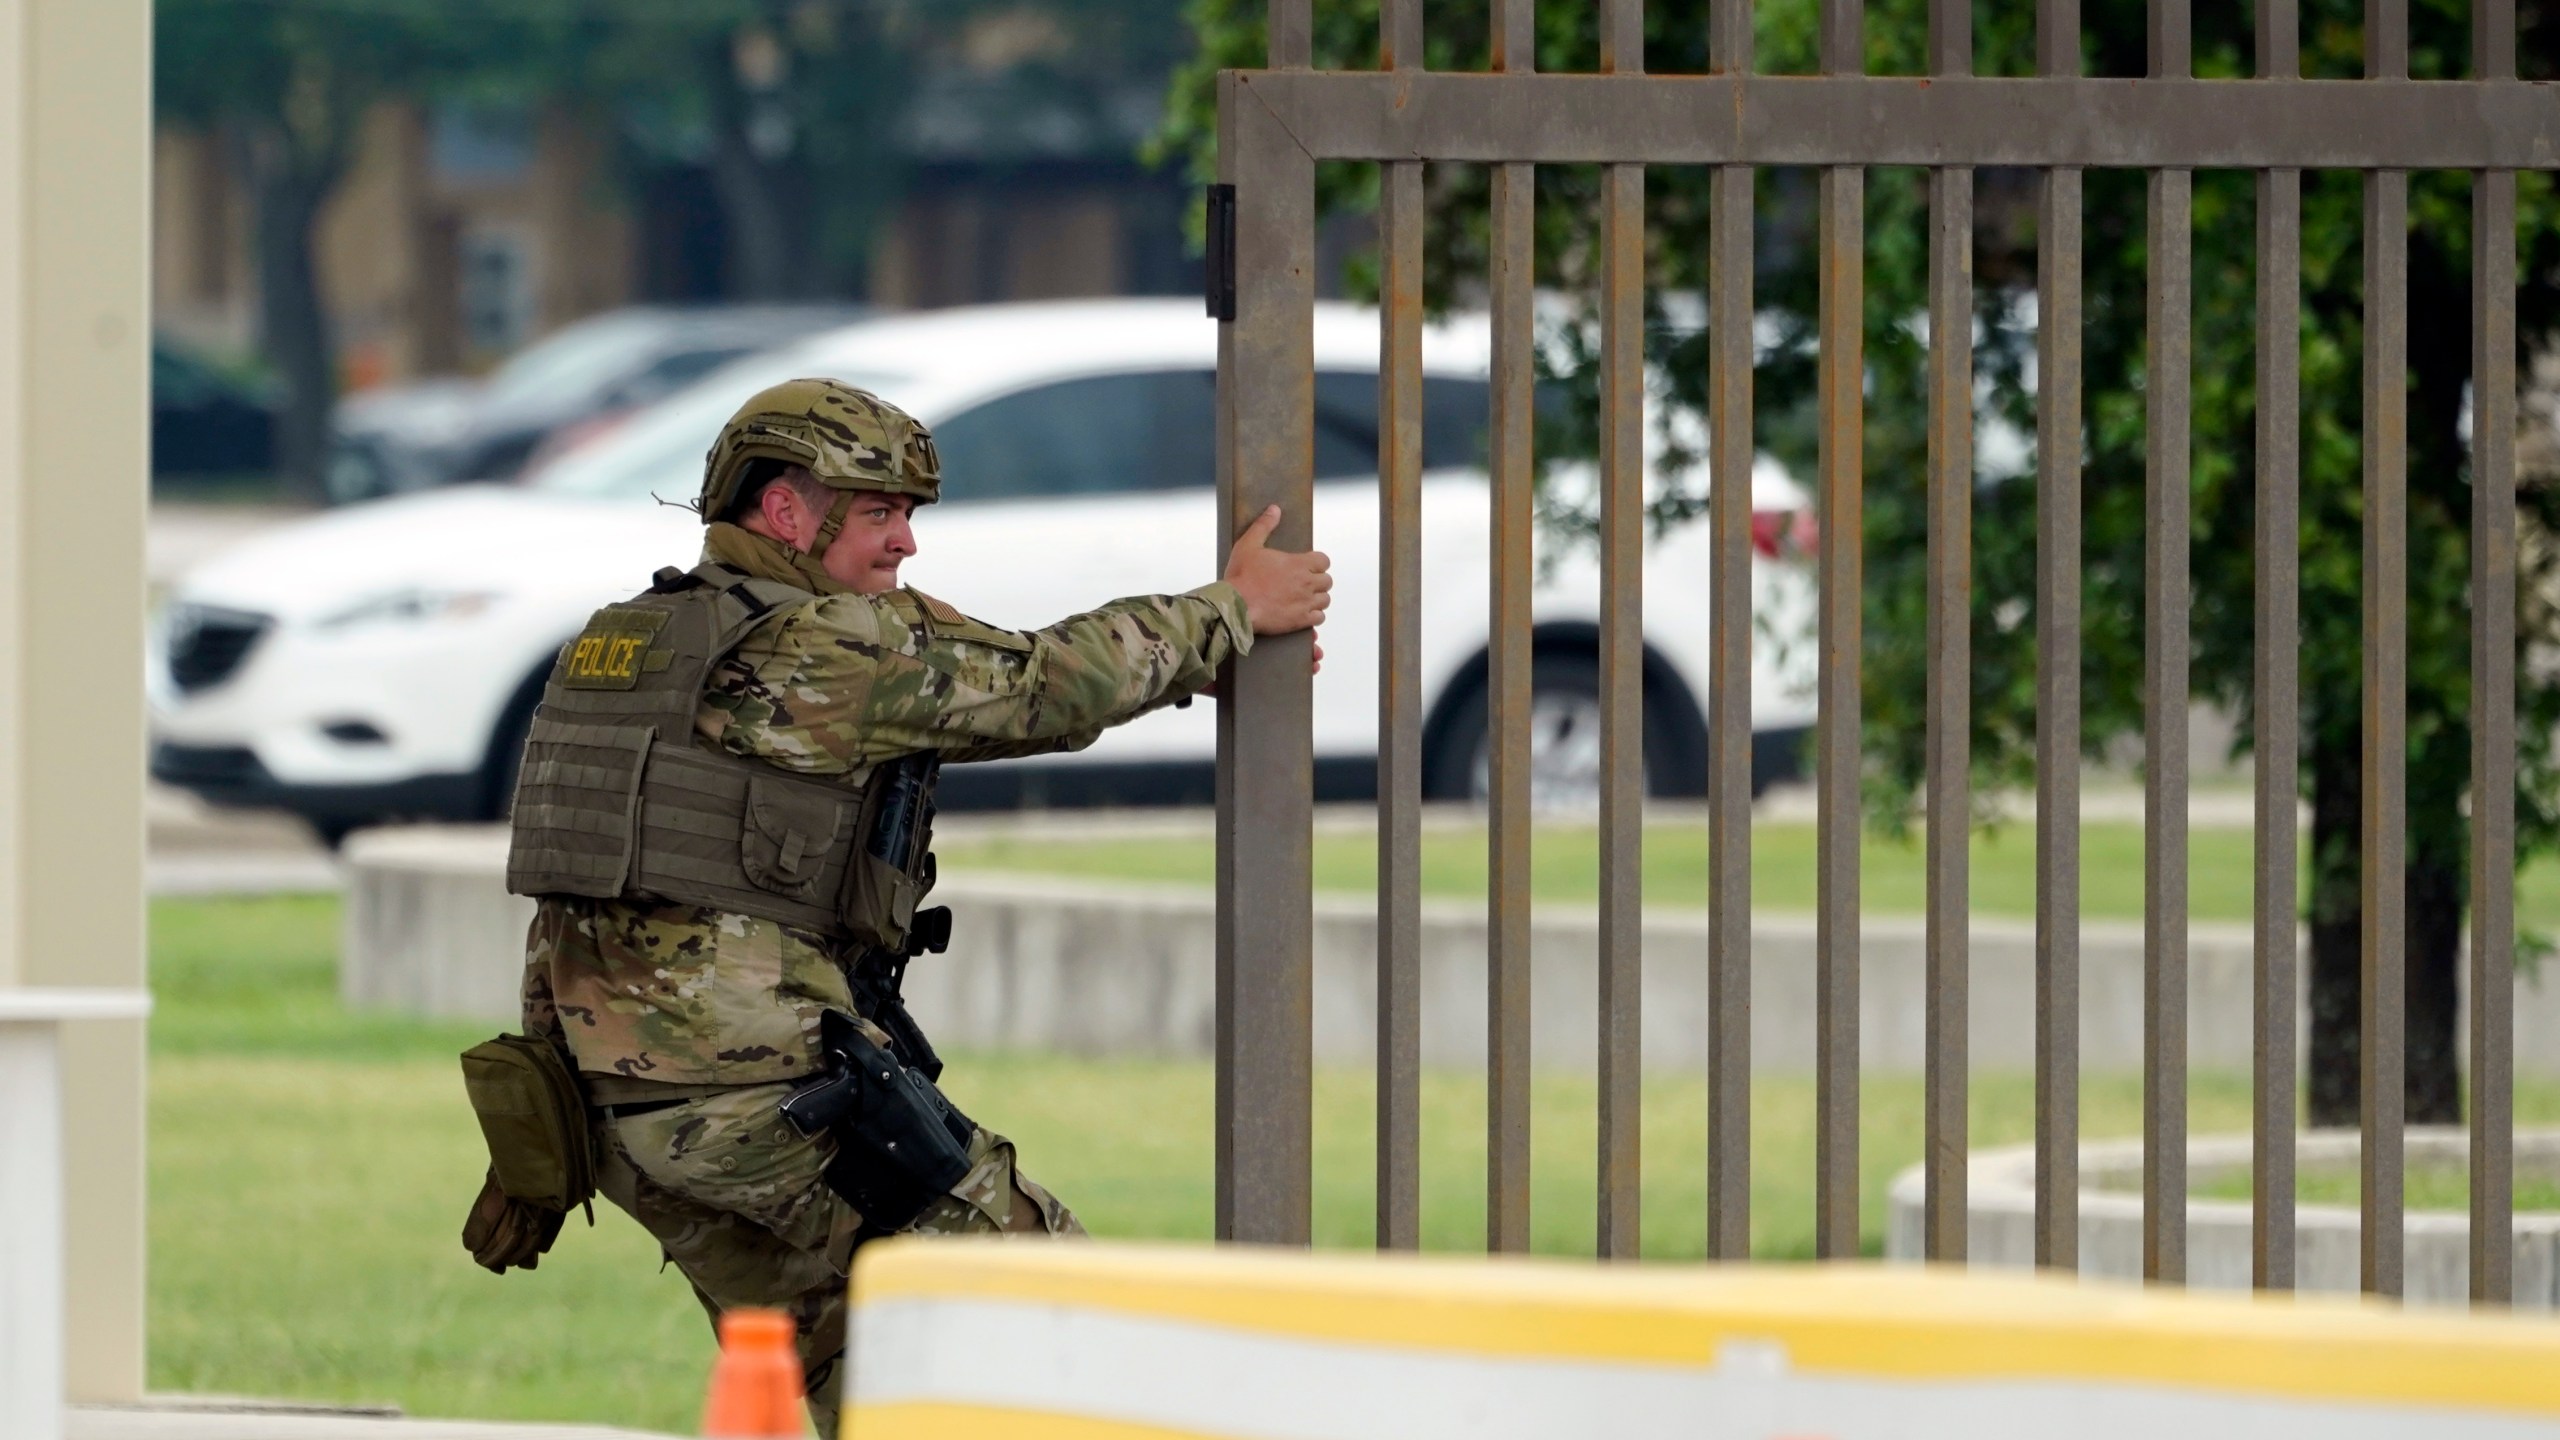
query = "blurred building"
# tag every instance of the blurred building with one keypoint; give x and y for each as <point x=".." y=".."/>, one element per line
<point x="460" y="234"/>
<point x="455" y="237"/>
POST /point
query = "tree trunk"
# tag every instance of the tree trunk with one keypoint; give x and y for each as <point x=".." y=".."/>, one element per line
<point x="293" y="326"/>
<point x="765" y="262"/>
<point x="2434" y="940"/>
<point x="768" y="212"/>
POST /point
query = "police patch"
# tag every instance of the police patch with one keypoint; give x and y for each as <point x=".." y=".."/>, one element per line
<point x="613" y="652"/>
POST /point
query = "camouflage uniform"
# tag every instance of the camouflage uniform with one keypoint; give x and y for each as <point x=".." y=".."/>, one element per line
<point x="693" y="997"/>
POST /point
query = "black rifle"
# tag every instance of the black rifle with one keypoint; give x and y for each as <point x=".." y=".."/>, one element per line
<point x="901" y="829"/>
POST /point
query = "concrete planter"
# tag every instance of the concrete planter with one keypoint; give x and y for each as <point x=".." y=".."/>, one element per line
<point x="2000" y="1217"/>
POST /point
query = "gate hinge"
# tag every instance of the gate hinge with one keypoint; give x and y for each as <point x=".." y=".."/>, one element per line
<point x="1222" y="252"/>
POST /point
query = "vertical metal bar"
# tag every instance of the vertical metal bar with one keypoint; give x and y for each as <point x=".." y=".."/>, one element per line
<point x="2386" y="662"/>
<point x="2166" y="526"/>
<point x="2382" y="1023"/>
<point x="2058" y="321"/>
<point x="2386" y="39"/>
<point x="1621" y="1159"/>
<point x="1729" y="451"/>
<point x="1514" y="382"/>
<point x="1399" y="1219"/>
<point x="1949" y="702"/>
<point x="1729" y="718"/>
<point x="1266" y="766"/>
<point x="1838" y="822"/>
<point x="1400" y="34"/>
<point x="1950" y="37"/>
<point x="1622" y="37"/>
<point x="1292" y="33"/>
<point x="1515" y="36"/>
<point x="2278" y="682"/>
<point x="2280" y="39"/>
<point x="2171" y="36"/>
<point x="2493" y="689"/>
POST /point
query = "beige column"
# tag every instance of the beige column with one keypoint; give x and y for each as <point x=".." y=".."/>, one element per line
<point x="75" y="326"/>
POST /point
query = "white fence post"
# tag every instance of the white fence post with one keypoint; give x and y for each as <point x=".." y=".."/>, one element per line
<point x="31" y="1241"/>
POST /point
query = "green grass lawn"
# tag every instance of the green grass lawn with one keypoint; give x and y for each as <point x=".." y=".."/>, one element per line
<point x="1565" y="867"/>
<point x="309" y="1171"/>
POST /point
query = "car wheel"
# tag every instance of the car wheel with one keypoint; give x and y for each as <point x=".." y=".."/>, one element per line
<point x="1564" y="740"/>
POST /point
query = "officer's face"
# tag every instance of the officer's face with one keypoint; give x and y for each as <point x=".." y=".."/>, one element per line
<point x="875" y="539"/>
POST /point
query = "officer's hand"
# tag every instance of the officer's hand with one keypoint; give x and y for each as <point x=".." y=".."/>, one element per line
<point x="1284" y="591"/>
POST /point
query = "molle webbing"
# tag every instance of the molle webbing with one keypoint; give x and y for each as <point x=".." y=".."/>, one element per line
<point x="615" y="799"/>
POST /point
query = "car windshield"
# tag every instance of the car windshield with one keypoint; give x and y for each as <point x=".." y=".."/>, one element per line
<point x="576" y="360"/>
<point x="659" y="452"/>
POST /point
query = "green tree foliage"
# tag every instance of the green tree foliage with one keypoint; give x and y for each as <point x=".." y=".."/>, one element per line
<point x="2223" y="569"/>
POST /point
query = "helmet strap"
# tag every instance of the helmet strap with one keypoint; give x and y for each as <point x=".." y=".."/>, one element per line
<point x="834" y="522"/>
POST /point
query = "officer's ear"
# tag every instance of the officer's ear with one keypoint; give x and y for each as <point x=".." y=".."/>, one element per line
<point x="782" y="509"/>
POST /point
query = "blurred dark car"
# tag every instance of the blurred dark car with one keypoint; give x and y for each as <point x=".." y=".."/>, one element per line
<point x="442" y="432"/>
<point x="206" y="421"/>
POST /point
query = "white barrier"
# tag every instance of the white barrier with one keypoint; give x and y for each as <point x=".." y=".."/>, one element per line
<point x="996" y="1340"/>
<point x="31" y="1294"/>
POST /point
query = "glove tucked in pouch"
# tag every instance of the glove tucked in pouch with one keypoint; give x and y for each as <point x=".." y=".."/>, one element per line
<point x="542" y="1159"/>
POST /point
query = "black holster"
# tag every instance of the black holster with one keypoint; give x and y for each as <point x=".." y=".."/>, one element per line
<point x="899" y="1143"/>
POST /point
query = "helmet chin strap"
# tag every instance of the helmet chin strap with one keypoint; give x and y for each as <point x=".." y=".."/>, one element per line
<point x="834" y="522"/>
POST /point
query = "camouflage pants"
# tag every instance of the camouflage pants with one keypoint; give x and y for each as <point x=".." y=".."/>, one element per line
<point x="733" y="1194"/>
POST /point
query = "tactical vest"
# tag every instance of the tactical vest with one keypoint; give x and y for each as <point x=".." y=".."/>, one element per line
<point x="617" y="800"/>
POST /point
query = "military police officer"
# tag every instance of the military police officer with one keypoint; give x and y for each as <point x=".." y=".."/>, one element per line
<point x="701" y="814"/>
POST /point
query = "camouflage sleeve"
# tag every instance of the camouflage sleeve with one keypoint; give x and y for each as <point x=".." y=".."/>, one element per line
<point x="866" y="682"/>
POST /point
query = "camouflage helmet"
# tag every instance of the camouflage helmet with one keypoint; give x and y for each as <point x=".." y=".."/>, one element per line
<point x="849" y="439"/>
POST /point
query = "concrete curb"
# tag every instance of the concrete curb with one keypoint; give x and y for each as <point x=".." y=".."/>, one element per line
<point x="2000" y="1208"/>
<point x="1090" y="967"/>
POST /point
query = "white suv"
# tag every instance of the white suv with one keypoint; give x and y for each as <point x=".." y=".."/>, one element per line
<point x="383" y="661"/>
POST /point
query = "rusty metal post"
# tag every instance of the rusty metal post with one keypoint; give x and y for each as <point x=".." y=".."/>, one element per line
<point x="1729" y="627"/>
<point x="1266" y="764"/>
<point x="1838" y="823"/>
<point x="2493" y="689"/>
<point x="2058" y="316"/>
<point x="1622" y="503"/>
<point x="2277" y="680"/>
<point x="1507" y="673"/>
<point x="2382" y="1026"/>
<point x="1949" y="702"/>
<point x="1400" y="698"/>
<point x="2167" y="520"/>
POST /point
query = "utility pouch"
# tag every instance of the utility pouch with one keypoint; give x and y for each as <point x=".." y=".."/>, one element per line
<point x="890" y="868"/>
<point x="787" y="838"/>
<point x="899" y="1143"/>
<point x="541" y="1151"/>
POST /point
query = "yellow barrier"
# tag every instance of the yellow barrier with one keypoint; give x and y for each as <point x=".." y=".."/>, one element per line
<point x="956" y="1340"/>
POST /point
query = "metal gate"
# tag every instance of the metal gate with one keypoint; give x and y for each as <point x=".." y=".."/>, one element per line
<point x="1274" y="126"/>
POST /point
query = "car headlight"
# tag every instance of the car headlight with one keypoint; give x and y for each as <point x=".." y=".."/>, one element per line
<point x="412" y="606"/>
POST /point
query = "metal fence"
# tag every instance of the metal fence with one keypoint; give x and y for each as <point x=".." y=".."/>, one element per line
<point x="1275" y="125"/>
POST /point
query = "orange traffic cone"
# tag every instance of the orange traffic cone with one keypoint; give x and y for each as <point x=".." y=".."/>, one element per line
<point x="755" y="1385"/>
